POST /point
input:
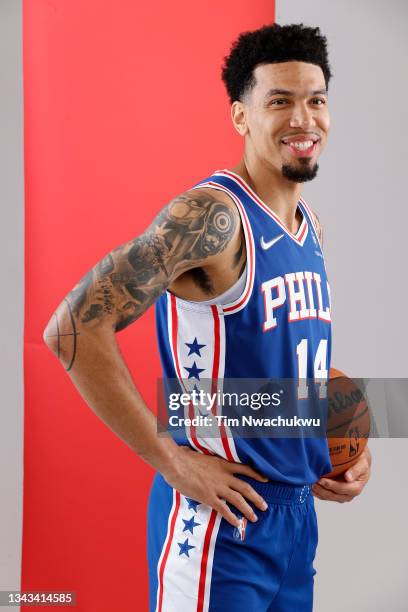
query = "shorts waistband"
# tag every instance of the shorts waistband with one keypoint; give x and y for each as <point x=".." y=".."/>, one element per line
<point x="280" y="492"/>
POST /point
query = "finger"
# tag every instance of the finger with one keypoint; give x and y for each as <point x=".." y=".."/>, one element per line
<point x="220" y="506"/>
<point x="367" y="453"/>
<point x="242" y="468"/>
<point x="341" y="488"/>
<point x="236" y="499"/>
<point x="326" y="498"/>
<point x="248" y="492"/>
<point x="315" y="494"/>
<point x="359" y="469"/>
<point x="326" y="495"/>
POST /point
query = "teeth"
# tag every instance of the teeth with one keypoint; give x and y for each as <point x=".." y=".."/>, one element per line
<point x="302" y="146"/>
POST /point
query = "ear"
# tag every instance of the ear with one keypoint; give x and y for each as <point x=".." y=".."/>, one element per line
<point x="239" y="118"/>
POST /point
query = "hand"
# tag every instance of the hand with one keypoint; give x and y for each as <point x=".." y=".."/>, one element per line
<point x="210" y="480"/>
<point x="354" y="481"/>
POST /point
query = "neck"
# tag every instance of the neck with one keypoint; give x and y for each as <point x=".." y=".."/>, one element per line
<point x="280" y="194"/>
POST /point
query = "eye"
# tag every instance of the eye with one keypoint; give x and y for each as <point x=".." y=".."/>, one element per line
<point x="321" y="100"/>
<point x="278" y="100"/>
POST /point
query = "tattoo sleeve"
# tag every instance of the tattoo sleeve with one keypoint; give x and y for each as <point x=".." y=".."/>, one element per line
<point x="191" y="229"/>
<point x="318" y="228"/>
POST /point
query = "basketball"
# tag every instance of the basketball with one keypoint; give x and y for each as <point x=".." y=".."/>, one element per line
<point x="348" y="422"/>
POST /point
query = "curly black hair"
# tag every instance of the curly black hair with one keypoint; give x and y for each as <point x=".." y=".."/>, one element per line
<point x="272" y="44"/>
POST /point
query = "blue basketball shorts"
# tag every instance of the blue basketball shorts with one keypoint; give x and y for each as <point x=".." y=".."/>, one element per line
<point x="198" y="562"/>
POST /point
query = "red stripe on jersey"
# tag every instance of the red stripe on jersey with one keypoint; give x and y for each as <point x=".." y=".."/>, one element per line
<point x="214" y="379"/>
<point x="250" y="255"/>
<point x="296" y="237"/>
<point x="204" y="561"/>
<point x="167" y="550"/>
<point x="174" y="329"/>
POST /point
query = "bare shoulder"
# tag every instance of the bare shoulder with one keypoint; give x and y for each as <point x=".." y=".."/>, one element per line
<point x="210" y="214"/>
<point x="194" y="230"/>
<point x="216" y="195"/>
<point x="319" y="228"/>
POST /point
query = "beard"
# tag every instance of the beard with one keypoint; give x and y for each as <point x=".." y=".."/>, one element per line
<point x="302" y="173"/>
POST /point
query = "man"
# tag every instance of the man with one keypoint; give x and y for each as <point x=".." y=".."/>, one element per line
<point x="235" y="267"/>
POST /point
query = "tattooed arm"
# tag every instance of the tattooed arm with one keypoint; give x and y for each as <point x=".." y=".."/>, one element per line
<point x="192" y="230"/>
<point x="318" y="228"/>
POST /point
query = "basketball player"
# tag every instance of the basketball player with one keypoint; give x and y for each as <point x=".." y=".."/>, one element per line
<point x="235" y="267"/>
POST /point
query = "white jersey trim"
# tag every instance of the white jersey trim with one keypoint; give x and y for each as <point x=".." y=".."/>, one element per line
<point x="242" y="300"/>
<point x="185" y="566"/>
<point x="302" y="232"/>
<point x="209" y="361"/>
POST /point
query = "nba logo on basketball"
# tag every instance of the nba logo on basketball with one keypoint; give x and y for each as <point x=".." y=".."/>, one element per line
<point x="239" y="532"/>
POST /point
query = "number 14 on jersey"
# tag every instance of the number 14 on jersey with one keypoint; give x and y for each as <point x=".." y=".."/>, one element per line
<point x="320" y="370"/>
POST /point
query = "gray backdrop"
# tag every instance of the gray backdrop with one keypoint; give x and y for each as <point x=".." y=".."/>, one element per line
<point x="363" y="550"/>
<point x="362" y="558"/>
<point x="12" y="302"/>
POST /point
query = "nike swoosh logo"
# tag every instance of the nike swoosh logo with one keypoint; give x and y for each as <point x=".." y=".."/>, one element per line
<point x="267" y="245"/>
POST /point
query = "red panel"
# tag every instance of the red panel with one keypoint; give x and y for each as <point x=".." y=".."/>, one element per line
<point x="124" y="108"/>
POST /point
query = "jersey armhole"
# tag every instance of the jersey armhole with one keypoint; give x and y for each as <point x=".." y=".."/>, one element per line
<point x="241" y="301"/>
<point x="310" y="215"/>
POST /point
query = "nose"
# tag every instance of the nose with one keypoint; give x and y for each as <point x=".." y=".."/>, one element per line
<point x="302" y="117"/>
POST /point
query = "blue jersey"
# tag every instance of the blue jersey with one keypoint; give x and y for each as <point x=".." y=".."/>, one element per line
<point x="278" y="328"/>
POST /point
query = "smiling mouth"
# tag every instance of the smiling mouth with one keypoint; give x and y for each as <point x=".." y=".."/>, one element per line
<point x="304" y="148"/>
